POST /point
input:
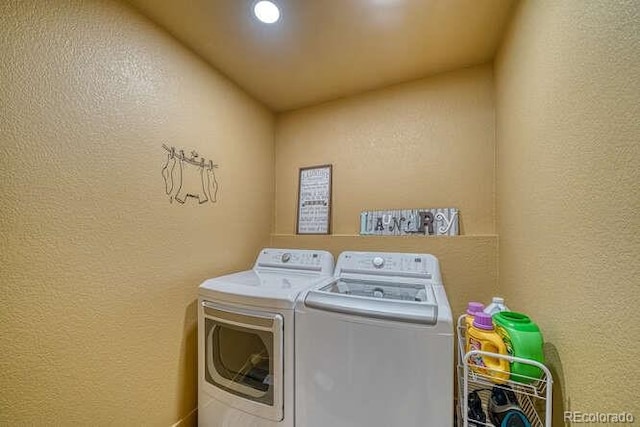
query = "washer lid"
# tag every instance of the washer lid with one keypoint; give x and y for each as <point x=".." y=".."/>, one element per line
<point x="259" y="288"/>
<point x="379" y="299"/>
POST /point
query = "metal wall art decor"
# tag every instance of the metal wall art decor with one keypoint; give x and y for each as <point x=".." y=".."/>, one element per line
<point x="314" y="200"/>
<point x="189" y="177"/>
<point x="403" y="222"/>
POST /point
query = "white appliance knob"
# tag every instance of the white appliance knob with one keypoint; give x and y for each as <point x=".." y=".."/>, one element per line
<point x="286" y="257"/>
<point x="378" y="262"/>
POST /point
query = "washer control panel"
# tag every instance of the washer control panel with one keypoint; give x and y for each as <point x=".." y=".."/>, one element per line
<point x="388" y="263"/>
<point x="296" y="259"/>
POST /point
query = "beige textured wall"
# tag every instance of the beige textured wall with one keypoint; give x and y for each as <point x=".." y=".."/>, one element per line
<point x="429" y="143"/>
<point x="568" y="133"/>
<point x="99" y="270"/>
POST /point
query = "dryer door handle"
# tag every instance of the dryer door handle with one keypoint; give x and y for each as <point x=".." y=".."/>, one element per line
<point x="255" y="321"/>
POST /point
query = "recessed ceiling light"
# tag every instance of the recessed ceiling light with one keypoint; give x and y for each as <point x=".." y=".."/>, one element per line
<point x="266" y="11"/>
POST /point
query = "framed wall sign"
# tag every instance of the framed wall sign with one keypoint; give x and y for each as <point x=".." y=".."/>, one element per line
<point x="314" y="200"/>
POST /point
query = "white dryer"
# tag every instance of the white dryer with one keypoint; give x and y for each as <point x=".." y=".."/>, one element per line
<point x="374" y="345"/>
<point x="245" y="339"/>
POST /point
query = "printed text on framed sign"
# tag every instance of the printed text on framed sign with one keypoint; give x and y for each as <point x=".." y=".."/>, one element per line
<point x="314" y="200"/>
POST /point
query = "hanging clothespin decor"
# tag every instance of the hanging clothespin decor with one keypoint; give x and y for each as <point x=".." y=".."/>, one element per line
<point x="189" y="177"/>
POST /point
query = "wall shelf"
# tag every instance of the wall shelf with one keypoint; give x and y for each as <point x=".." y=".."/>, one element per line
<point x="358" y="236"/>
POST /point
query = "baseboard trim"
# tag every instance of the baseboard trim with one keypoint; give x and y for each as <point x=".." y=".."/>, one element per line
<point x="189" y="420"/>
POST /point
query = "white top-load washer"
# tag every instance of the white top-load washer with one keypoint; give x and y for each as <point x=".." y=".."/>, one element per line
<point x="374" y="345"/>
<point x="245" y="339"/>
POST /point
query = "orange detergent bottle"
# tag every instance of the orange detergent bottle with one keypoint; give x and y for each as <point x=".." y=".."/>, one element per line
<point x="482" y="336"/>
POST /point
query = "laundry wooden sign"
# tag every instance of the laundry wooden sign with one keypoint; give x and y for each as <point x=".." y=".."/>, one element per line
<point x="403" y="222"/>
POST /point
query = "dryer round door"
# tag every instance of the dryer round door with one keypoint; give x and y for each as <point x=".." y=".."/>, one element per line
<point x="243" y="358"/>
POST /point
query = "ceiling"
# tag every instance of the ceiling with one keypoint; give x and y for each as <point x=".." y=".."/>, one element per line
<point x="326" y="49"/>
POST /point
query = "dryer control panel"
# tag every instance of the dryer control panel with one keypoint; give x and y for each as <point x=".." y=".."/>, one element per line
<point x="295" y="259"/>
<point x="388" y="264"/>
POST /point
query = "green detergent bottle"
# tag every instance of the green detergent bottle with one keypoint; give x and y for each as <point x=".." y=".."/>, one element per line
<point x="523" y="339"/>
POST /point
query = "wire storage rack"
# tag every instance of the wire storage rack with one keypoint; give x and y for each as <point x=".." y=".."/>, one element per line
<point x="475" y="388"/>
